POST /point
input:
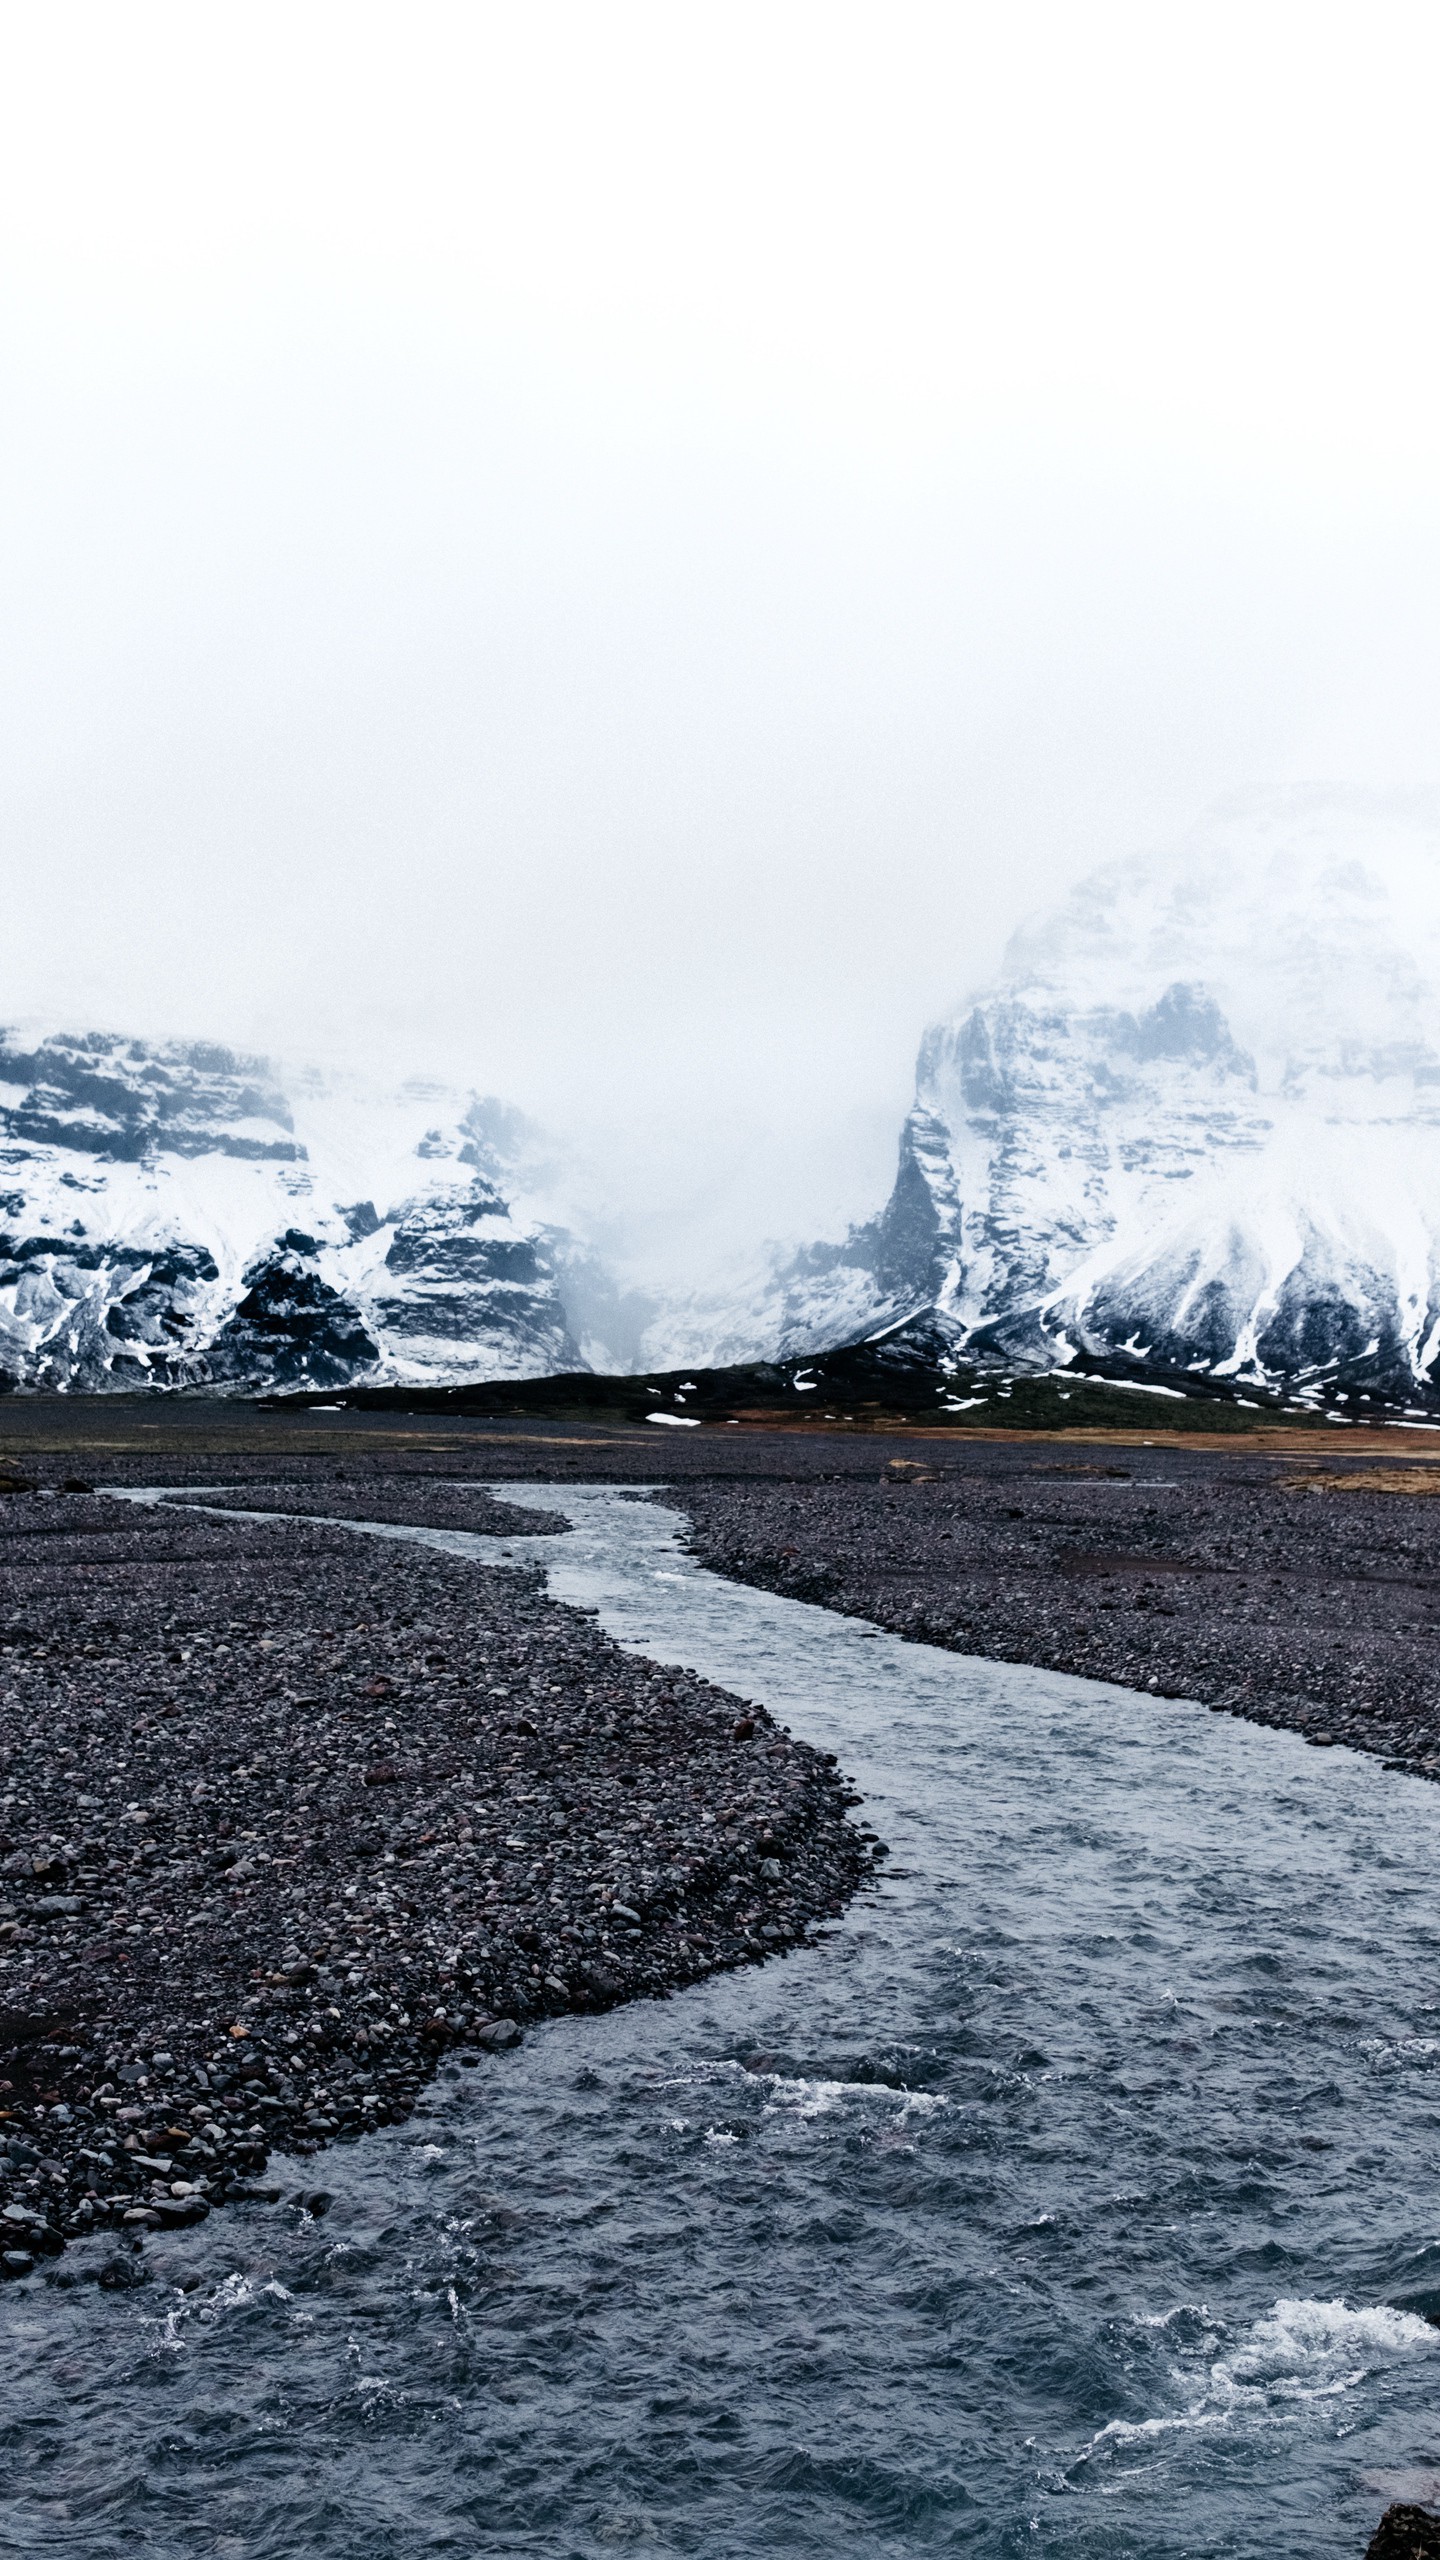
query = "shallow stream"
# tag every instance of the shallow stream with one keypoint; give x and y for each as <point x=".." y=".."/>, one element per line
<point x="1079" y="2193"/>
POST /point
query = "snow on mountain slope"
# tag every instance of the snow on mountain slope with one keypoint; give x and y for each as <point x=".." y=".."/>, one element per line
<point x="1196" y="1122"/>
<point x="172" y="1214"/>
<point x="1198" y="1119"/>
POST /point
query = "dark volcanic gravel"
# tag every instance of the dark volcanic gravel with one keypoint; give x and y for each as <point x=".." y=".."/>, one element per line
<point x="1286" y="1592"/>
<point x="359" y="1799"/>
<point x="287" y="1812"/>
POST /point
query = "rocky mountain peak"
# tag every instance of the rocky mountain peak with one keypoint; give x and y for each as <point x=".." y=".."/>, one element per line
<point x="174" y="1214"/>
<point x="1196" y="1118"/>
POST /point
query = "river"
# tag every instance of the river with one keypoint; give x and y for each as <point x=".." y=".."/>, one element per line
<point x="1079" y="2193"/>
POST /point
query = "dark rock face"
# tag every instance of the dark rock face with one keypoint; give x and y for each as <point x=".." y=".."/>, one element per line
<point x="1028" y="1114"/>
<point x="1026" y="1110"/>
<point x="160" y="1311"/>
<point x="104" y="1314"/>
<point x="1405" y="2533"/>
<point x="914" y="1232"/>
<point x="1194" y="1123"/>
<point x="463" y="1281"/>
<point x="98" y="1093"/>
<point x="289" y="1328"/>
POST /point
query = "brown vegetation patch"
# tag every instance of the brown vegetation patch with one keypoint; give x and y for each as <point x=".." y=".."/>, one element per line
<point x="1421" y="1479"/>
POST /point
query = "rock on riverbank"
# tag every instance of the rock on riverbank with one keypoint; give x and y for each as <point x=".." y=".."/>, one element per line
<point x="1405" y="2533"/>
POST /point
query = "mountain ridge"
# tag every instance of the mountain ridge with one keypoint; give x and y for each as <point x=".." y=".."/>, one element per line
<point x="1191" y="1130"/>
<point x="1196" y="1123"/>
<point x="171" y="1215"/>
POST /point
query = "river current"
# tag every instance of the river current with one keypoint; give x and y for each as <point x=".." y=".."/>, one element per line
<point x="1079" y="2193"/>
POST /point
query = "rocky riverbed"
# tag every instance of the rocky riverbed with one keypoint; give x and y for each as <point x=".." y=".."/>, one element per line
<point x="1291" y="1592"/>
<point x="287" y="1813"/>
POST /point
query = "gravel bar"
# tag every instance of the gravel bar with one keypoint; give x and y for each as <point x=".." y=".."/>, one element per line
<point x="1294" y="1594"/>
<point x="288" y="1813"/>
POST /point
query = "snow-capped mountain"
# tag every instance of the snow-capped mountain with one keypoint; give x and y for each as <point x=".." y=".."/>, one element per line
<point x="174" y="1215"/>
<point x="1196" y="1122"/>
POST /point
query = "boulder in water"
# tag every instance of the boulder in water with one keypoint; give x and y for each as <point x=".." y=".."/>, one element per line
<point x="1406" y="2533"/>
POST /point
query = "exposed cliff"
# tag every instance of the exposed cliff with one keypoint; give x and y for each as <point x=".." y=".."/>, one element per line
<point x="174" y="1215"/>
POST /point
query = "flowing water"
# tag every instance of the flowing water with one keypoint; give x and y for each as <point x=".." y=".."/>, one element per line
<point x="1080" y="2193"/>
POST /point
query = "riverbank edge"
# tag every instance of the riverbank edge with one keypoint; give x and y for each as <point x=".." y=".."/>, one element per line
<point x="813" y="1580"/>
<point x="32" y="2139"/>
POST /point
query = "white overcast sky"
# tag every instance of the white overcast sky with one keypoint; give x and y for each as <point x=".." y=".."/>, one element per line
<point x="617" y="550"/>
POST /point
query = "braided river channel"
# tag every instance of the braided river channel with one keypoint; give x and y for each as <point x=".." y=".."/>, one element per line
<point x="1078" y="2193"/>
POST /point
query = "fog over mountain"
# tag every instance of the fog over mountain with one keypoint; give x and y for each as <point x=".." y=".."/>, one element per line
<point x="609" y="561"/>
<point x="1195" y="1122"/>
<point x="175" y="1216"/>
